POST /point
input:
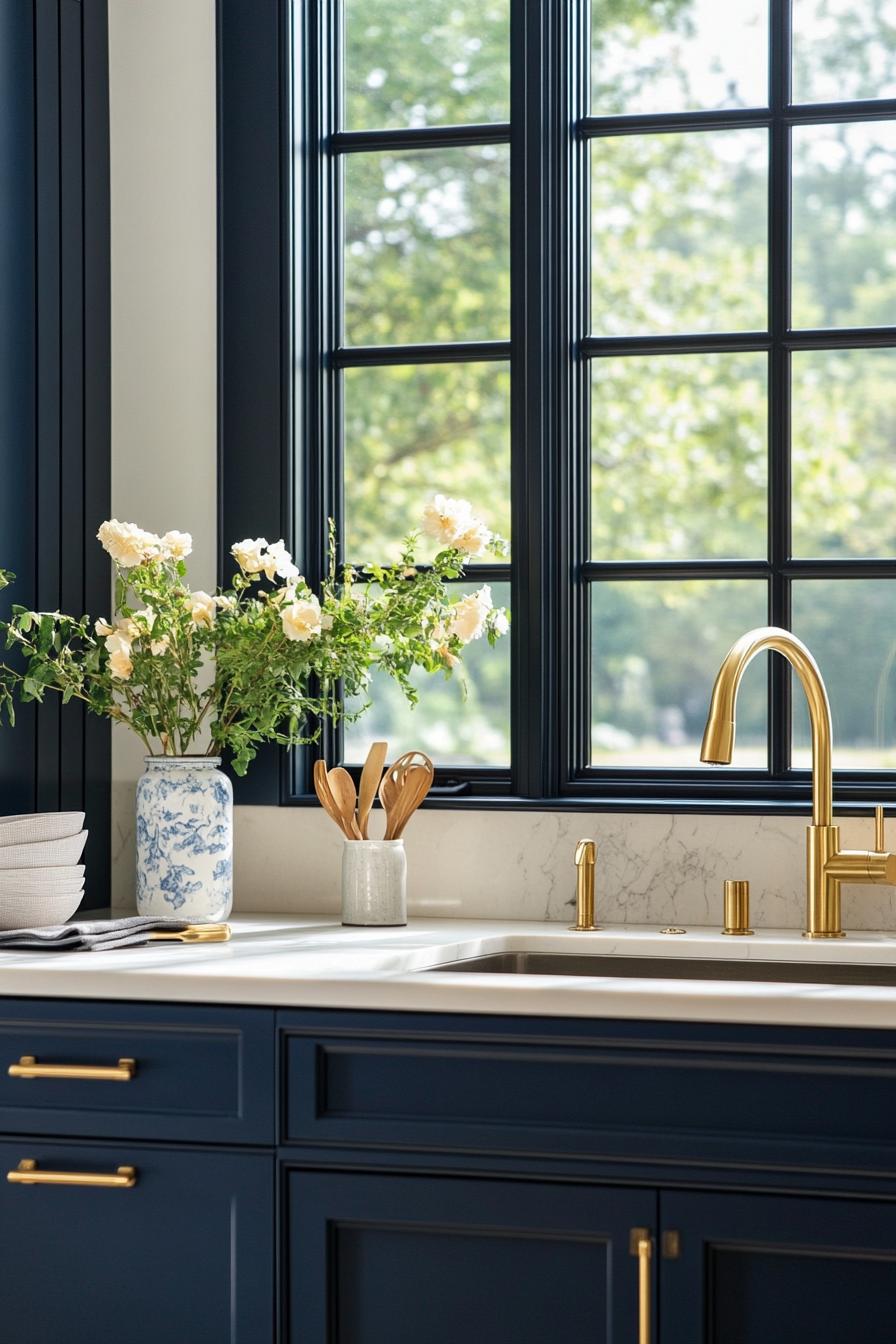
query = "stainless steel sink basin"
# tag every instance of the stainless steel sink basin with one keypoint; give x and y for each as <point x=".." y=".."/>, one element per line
<point x="671" y="968"/>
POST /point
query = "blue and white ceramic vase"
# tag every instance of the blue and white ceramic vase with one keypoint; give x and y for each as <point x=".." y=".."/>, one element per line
<point x="185" y="839"/>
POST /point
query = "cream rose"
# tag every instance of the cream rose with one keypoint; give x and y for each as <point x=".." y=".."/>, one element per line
<point x="120" y="665"/>
<point x="128" y="544"/>
<point x="301" y="619"/>
<point x="249" y="554"/>
<point x="224" y="602"/>
<point x="102" y="627"/>
<point x="118" y="642"/>
<point x="159" y="646"/>
<point x="500" y="622"/>
<point x="468" y="616"/>
<point x="201" y="607"/>
<point x="277" y="563"/>
<point x="474" y="539"/>
<point x="446" y="519"/>
<point x="177" y="545"/>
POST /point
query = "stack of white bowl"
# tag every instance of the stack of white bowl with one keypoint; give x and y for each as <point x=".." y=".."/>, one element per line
<point x="41" y="880"/>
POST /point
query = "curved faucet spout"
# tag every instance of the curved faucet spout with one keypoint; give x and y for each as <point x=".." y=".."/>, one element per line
<point x="718" y="737"/>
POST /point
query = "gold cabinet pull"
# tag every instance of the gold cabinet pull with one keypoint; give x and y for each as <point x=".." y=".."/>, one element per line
<point x="28" y="1067"/>
<point x="27" y="1173"/>
<point x="641" y="1245"/>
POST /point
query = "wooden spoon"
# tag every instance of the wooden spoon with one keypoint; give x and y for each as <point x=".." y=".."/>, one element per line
<point x="415" y="786"/>
<point x="326" y="799"/>
<point x="370" y="779"/>
<point x="342" y="786"/>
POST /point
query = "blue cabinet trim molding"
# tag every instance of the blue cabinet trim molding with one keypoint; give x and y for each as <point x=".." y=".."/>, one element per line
<point x="54" y="378"/>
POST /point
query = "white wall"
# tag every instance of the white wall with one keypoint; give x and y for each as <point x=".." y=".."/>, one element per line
<point x="513" y="864"/>
<point x="164" y="413"/>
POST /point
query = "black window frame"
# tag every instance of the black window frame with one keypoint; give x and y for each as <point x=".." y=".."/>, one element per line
<point x="278" y="253"/>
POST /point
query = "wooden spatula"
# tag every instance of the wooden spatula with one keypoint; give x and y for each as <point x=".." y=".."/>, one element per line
<point x="370" y="781"/>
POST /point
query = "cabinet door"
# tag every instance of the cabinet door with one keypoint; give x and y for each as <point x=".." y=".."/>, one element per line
<point x="402" y="1259"/>
<point x="184" y="1255"/>
<point x="764" y="1269"/>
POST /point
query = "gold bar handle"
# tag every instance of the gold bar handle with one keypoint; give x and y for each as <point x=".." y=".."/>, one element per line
<point x="27" y="1173"/>
<point x="641" y="1245"/>
<point x="28" y="1067"/>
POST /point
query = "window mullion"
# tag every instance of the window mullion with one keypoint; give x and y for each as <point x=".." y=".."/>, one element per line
<point x="780" y="687"/>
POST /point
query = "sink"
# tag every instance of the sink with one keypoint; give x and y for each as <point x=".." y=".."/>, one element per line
<point x="671" y="968"/>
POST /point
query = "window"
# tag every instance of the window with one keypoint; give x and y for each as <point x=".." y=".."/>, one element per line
<point x="622" y="274"/>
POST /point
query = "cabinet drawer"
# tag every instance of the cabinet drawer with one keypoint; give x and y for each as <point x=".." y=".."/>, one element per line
<point x="198" y="1074"/>
<point x="670" y="1092"/>
<point x="185" y="1254"/>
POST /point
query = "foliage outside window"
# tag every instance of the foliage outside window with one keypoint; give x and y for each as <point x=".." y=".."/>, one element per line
<point x="730" y="413"/>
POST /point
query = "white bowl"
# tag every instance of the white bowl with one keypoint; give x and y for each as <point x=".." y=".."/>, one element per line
<point x="37" y="913"/>
<point x="31" y="827"/>
<point x="26" y="879"/>
<point x="44" y="852"/>
<point x="40" y="890"/>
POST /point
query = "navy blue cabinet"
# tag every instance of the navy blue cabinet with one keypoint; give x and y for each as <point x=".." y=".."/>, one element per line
<point x="761" y="1269"/>
<point x="185" y="1254"/>
<point x="440" y="1178"/>
<point x="399" y="1259"/>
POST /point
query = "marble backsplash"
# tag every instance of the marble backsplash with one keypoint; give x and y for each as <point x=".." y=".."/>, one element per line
<point x="653" y="869"/>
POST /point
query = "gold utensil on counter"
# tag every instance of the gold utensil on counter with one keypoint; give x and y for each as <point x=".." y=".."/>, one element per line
<point x="342" y="787"/>
<point x="327" y="801"/>
<point x="371" y="776"/>
<point x="195" y="933"/>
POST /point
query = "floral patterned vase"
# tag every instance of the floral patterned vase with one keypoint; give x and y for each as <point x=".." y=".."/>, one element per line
<point x="185" y="839"/>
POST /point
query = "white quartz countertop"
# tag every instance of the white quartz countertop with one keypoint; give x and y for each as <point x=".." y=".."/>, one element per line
<point x="312" y="962"/>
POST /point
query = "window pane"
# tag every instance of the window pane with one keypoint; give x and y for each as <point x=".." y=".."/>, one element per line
<point x="844" y="225"/>
<point x="427" y="246"/>
<point x="450" y="729"/>
<point x="679" y="55"/>
<point x="678" y="457"/>
<point x="656" y="649"/>
<point x="850" y="626"/>
<point x="844" y="447"/>
<point x="679" y="232"/>
<point x="843" y="49"/>
<point x="413" y="431"/>
<point x="427" y="63"/>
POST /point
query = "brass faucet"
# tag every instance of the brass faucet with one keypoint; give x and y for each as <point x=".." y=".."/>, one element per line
<point x="827" y="865"/>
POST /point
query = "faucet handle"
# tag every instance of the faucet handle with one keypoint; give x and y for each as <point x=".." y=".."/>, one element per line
<point x="879" y="838"/>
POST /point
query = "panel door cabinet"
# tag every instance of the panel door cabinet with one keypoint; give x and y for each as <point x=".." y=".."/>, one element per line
<point x="399" y="1259"/>
<point x="757" y="1269"/>
<point x="185" y="1254"/>
<point x="219" y="1175"/>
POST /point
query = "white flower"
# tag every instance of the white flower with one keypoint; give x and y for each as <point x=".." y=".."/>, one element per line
<point x="446" y="519"/>
<point x="147" y="617"/>
<point x="278" y="563"/>
<point x="177" y="545"/>
<point x="128" y="544"/>
<point x="118" y="642"/>
<point x="301" y="620"/>
<point x="120" y="664"/>
<point x="383" y="644"/>
<point x="159" y="646"/>
<point x="102" y="627"/>
<point x="448" y="658"/>
<point x="500" y="623"/>
<point x="224" y="601"/>
<point x="249" y="554"/>
<point x="201" y="607"/>
<point x="127" y="629"/>
<point x="468" y="616"/>
<point x="474" y="538"/>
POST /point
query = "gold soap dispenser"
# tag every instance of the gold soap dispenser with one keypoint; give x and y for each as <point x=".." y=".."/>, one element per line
<point x="586" y="856"/>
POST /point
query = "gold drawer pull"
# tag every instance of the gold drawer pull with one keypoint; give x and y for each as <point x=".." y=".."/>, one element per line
<point x="641" y="1245"/>
<point x="28" y="1067"/>
<point x="26" y="1173"/>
